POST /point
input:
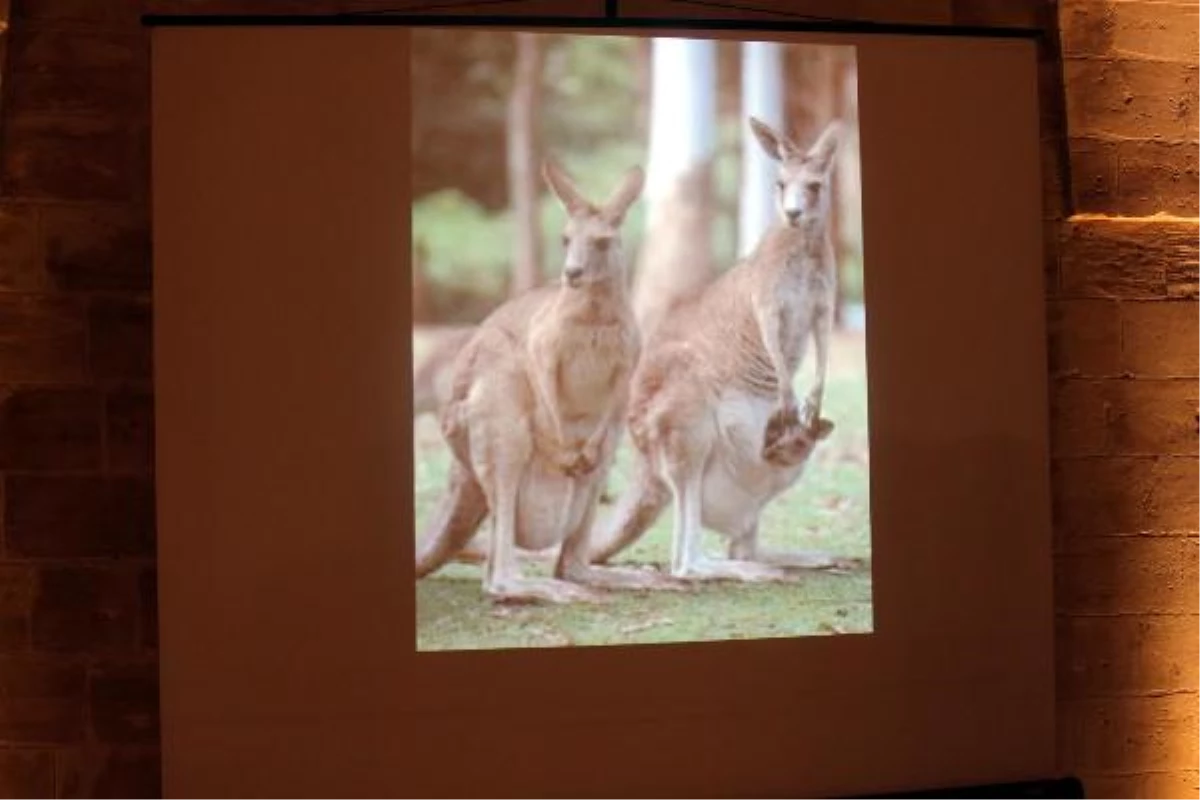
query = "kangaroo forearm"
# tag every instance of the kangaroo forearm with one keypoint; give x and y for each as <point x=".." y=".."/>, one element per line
<point x="607" y="422"/>
<point x="544" y="390"/>
<point x="770" y="330"/>
<point x="822" y="331"/>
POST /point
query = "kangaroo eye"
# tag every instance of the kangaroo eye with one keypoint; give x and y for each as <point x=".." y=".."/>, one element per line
<point x="814" y="186"/>
<point x="566" y="240"/>
<point x="602" y="244"/>
<point x="779" y="185"/>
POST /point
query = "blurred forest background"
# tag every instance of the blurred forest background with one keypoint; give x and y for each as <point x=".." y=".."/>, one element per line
<point x="488" y="105"/>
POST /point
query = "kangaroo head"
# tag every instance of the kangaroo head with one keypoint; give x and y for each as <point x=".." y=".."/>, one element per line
<point x="802" y="186"/>
<point x="592" y="234"/>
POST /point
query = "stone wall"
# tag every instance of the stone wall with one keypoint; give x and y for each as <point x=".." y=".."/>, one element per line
<point x="78" y="635"/>
<point x="78" y="631"/>
<point x="1124" y="358"/>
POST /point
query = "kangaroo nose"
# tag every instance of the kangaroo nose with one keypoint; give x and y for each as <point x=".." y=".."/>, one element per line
<point x="573" y="274"/>
<point x="793" y="216"/>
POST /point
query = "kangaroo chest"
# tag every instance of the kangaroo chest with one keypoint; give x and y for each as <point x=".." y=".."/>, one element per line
<point x="595" y="360"/>
<point x="801" y="294"/>
<point x="795" y="320"/>
<point x="589" y="351"/>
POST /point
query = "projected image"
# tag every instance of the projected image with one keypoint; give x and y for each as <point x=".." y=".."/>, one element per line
<point x="639" y="367"/>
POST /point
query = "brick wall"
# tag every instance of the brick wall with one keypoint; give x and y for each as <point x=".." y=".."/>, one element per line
<point x="1123" y="313"/>
<point x="78" y="668"/>
<point x="78" y="633"/>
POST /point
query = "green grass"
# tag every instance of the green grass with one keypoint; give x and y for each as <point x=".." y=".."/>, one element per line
<point x="827" y="510"/>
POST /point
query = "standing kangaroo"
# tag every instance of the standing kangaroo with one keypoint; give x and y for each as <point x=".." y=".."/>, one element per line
<point x="536" y="402"/>
<point x="713" y="411"/>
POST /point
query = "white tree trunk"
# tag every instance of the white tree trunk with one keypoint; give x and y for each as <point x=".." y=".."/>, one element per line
<point x="683" y="110"/>
<point x="762" y="97"/>
<point x="676" y="257"/>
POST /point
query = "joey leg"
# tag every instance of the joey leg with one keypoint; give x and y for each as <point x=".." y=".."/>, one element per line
<point x="792" y="446"/>
<point x="783" y="422"/>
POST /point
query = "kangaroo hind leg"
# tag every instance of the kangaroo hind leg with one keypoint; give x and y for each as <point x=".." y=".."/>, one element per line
<point x="502" y="453"/>
<point x="577" y="566"/>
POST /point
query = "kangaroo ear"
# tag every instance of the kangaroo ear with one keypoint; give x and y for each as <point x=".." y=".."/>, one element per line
<point x="823" y="150"/>
<point x="563" y="187"/>
<point x="624" y="195"/>
<point x="774" y="143"/>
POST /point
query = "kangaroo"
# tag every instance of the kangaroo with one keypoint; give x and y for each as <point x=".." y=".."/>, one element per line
<point x="431" y="383"/>
<point x="713" y="413"/>
<point x="536" y="404"/>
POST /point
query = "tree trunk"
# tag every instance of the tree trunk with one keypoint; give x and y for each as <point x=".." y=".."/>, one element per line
<point x="422" y="295"/>
<point x="762" y="97"/>
<point x="676" y="257"/>
<point x="812" y="101"/>
<point x="523" y="148"/>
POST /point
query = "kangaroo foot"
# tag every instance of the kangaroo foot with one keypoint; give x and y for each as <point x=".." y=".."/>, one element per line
<point x="543" y="590"/>
<point x="741" y="571"/>
<point x="799" y="559"/>
<point x="810" y="560"/>
<point x="631" y="578"/>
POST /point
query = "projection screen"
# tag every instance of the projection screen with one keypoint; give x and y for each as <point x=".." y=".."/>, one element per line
<point x="288" y="223"/>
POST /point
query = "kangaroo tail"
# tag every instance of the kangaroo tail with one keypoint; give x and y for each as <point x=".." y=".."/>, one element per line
<point x="638" y="508"/>
<point x="462" y="508"/>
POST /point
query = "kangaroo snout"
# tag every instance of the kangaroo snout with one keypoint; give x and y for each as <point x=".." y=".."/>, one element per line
<point x="573" y="274"/>
<point x="793" y="215"/>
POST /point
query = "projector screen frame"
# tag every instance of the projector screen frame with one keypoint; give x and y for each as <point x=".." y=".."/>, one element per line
<point x="507" y="663"/>
<point x="613" y="20"/>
